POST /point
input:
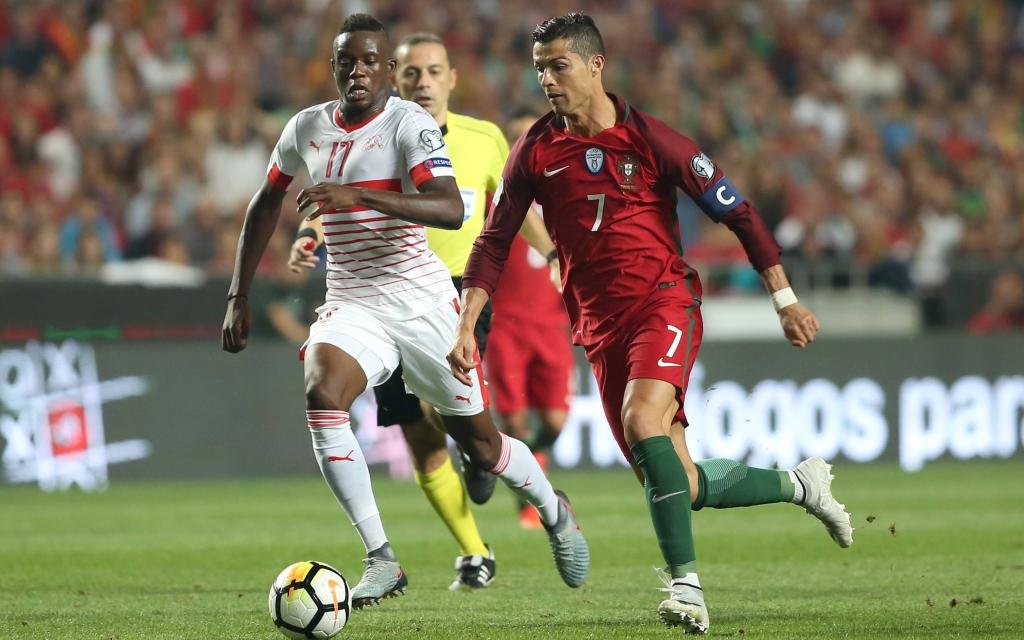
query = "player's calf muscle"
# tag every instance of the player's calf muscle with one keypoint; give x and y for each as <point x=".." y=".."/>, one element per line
<point x="477" y="436"/>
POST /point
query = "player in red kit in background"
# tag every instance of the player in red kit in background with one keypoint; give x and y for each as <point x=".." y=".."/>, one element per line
<point x="606" y="176"/>
<point x="530" y="362"/>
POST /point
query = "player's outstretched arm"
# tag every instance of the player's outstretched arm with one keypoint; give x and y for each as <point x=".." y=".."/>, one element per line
<point x="798" y="322"/>
<point x="438" y="204"/>
<point x="462" y="357"/>
<point x="260" y="222"/>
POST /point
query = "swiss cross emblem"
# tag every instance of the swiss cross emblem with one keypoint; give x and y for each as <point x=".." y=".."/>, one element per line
<point x="69" y="431"/>
<point x="628" y="167"/>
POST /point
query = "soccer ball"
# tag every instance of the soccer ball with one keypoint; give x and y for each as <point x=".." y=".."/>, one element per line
<point x="310" y="600"/>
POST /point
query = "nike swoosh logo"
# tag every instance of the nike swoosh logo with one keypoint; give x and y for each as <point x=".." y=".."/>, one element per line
<point x="666" y="496"/>
<point x="662" y="363"/>
<point x="548" y="174"/>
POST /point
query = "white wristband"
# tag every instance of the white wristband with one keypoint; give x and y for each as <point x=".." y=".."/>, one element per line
<point x="783" y="298"/>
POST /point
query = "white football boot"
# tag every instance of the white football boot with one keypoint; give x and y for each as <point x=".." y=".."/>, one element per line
<point x="816" y="476"/>
<point x="684" y="606"/>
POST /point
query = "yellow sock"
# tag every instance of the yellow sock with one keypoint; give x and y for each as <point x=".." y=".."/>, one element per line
<point x="444" y="490"/>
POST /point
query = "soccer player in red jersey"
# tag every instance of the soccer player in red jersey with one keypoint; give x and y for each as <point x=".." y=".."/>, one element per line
<point x="606" y="176"/>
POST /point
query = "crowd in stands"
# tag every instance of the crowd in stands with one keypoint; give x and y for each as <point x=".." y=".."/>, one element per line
<point x="887" y="134"/>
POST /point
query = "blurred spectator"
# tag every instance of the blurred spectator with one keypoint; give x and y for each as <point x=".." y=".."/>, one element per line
<point x="236" y="163"/>
<point x="200" y="233"/>
<point x="89" y="258"/>
<point x="44" y="250"/>
<point x="25" y="47"/>
<point x="87" y="220"/>
<point x="884" y="135"/>
<point x="161" y="225"/>
<point x="1004" y="311"/>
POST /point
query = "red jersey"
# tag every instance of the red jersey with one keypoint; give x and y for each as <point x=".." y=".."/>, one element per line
<point x="525" y="292"/>
<point x="609" y="204"/>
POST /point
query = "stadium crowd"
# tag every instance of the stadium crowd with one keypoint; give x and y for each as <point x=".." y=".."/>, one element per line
<point x="887" y="134"/>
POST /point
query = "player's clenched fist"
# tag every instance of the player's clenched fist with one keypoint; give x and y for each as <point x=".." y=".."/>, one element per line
<point x="799" y="324"/>
<point x="237" y="321"/>
<point x="462" y="357"/>
<point x="301" y="255"/>
<point x="326" y="197"/>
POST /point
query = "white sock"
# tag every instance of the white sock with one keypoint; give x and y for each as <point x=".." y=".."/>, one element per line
<point x="344" y="468"/>
<point x="798" y="487"/>
<point x="518" y="469"/>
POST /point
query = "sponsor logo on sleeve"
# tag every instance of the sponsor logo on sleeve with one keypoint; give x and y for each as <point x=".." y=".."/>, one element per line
<point x="702" y="166"/>
<point x="431" y="139"/>
<point x="431" y="163"/>
<point x="593" y="158"/>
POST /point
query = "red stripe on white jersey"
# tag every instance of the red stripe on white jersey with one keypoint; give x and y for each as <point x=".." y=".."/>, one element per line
<point x="390" y="264"/>
<point x="371" y="239"/>
<point x="374" y="229"/>
<point x="388" y="246"/>
<point x="331" y="223"/>
<point x="385" y="284"/>
<point x="420" y="174"/>
<point x="278" y="178"/>
<point x="386" y="184"/>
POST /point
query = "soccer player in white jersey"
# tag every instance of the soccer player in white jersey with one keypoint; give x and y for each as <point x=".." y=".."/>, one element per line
<point x="382" y="173"/>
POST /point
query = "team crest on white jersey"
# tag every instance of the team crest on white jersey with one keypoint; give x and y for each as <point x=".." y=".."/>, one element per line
<point x="594" y="160"/>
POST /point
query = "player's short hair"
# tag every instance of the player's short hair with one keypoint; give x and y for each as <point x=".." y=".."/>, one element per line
<point x="361" y="22"/>
<point x="580" y="33"/>
<point x="421" y="37"/>
<point x="424" y="37"/>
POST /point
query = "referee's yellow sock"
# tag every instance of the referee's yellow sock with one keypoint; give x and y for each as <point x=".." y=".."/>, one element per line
<point x="443" y="488"/>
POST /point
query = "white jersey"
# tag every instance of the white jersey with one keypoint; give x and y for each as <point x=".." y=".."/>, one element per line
<point x="374" y="260"/>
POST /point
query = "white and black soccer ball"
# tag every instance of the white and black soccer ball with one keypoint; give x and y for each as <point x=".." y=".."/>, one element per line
<point x="310" y="600"/>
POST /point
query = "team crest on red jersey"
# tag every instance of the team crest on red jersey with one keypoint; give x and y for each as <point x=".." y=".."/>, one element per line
<point x="629" y="168"/>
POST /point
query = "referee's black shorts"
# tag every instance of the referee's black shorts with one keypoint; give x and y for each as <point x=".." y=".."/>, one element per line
<point x="395" y="405"/>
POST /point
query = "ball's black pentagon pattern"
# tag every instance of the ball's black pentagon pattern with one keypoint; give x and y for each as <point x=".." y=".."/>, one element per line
<point x="322" y="608"/>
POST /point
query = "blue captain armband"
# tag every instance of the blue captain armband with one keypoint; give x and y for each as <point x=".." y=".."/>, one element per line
<point x="720" y="199"/>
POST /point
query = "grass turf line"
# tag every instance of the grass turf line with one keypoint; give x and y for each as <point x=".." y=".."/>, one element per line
<point x="195" y="560"/>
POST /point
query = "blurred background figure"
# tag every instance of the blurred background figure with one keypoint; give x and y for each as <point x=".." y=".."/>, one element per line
<point x="1004" y="311"/>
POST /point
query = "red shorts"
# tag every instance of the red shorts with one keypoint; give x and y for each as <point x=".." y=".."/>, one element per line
<point x="661" y="342"/>
<point x="529" y="366"/>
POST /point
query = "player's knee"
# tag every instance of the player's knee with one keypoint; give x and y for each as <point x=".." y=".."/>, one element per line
<point x="641" y="421"/>
<point x="321" y="395"/>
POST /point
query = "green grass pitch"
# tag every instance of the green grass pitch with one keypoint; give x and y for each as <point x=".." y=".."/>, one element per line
<point x="943" y="557"/>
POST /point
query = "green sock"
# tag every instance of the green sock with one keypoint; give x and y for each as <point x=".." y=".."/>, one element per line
<point x="728" y="483"/>
<point x="668" y="497"/>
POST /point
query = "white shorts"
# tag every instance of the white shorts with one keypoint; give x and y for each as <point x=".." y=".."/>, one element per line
<point x="420" y="344"/>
